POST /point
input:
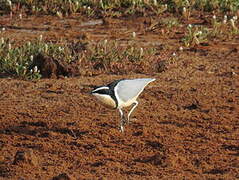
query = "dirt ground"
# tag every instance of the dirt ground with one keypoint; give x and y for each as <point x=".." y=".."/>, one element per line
<point x="186" y="125"/>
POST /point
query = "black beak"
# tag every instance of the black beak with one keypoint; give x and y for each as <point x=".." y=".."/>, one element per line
<point x="88" y="87"/>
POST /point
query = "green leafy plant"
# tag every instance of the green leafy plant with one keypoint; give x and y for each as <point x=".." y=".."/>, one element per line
<point x="18" y="61"/>
<point x="195" y="35"/>
<point x="118" y="7"/>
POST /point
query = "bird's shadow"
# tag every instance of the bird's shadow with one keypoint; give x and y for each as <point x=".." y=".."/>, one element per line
<point x="40" y="129"/>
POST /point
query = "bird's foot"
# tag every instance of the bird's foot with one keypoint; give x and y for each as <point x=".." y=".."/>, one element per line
<point x="130" y="120"/>
<point x="121" y="128"/>
<point x="74" y="135"/>
<point x="133" y="119"/>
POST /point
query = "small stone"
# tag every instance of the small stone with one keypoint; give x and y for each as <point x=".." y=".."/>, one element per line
<point x="5" y="171"/>
<point x="63" y="176"/>
<point x="161" y="66"/>
<point x="27" y="157"/>
<point x="1" y="159"/>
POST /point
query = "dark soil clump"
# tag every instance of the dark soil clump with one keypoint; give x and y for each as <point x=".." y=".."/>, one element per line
<point x="53" y="68"/>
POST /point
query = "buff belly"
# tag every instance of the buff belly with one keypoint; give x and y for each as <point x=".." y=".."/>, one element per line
<point x="106" y="100"/>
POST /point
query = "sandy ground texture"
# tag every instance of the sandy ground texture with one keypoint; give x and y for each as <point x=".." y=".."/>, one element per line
<point x="185" y="127"/>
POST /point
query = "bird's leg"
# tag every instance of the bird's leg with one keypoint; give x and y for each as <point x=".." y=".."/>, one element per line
<point x="122" y="122"/>
<point x="73" y="134"/>
<point x="135" y="104"/>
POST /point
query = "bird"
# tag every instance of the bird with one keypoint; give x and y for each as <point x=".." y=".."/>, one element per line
<point x="120" y="94"/>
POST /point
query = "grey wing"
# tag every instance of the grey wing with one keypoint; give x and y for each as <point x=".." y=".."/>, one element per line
<point x="129" y="89"/>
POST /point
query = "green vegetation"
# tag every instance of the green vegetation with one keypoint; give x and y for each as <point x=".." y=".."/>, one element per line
<point x="117" y="7"/>
<point x="17" y="61"/>
<point x="223" y="29"/>
<point x="195" y="35"/>
<point x="107" y="52"/>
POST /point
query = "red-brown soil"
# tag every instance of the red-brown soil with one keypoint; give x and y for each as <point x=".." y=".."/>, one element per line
<point x="186" y="127"/>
